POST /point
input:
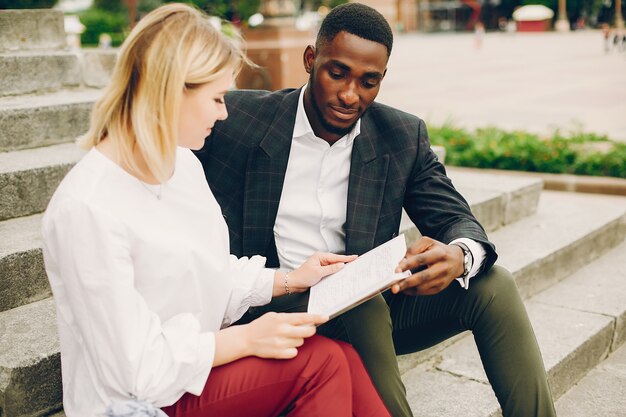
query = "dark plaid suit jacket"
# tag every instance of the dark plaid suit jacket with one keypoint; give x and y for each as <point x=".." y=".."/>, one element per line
<point x="392" y="167"/>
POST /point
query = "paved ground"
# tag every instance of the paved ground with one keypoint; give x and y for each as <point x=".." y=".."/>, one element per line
<point x="531" y="81"/>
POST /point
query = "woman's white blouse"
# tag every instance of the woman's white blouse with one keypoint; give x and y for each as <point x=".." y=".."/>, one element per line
<point x="141" y="284"/>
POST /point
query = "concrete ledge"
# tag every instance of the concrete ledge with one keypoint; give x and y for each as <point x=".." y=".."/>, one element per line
<point x="34" y="72"/>
<point x="495" y="200"/>
<point x="604" y="294"/>
<point x="520" y="194"/>
<point x="28" y="178"/>
<point x="602" y="392"/>
<point x="576" y="326"/>
<point x="568" y="231"/>
<point x="22" y="275"/>
<point x="30" y="368"/>
<point x="31" y="30"/>
<point x="569" y="351"/>
<point x="433" y="393"/>
<point x="97" y="66"/>
<point x="565" y="182"/>
<point x="47" y="119"/>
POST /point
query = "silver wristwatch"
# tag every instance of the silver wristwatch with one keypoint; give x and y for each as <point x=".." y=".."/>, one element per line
<point x="468" y="258"/>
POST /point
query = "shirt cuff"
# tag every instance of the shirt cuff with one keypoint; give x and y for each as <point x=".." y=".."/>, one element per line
<point x="478" y="254"/>
<point x="264" y="287"/>
<point x="206" y="355"/>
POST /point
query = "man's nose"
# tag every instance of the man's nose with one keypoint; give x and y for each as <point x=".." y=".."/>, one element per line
<point x="349" y="95"/>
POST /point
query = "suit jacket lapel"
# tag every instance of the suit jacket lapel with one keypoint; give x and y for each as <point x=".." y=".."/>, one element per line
<point x="368" y="173"/>
<point x="265" y="176"/>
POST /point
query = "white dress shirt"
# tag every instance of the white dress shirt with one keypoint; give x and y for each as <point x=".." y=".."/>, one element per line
<point x="141" y="284"/>
<point x="312" y="209"/>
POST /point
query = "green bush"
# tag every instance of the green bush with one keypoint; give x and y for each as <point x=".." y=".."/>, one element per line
<point x="99" y="21"/>
<point x="27" y="4"/>
<point x="499" y="149"/>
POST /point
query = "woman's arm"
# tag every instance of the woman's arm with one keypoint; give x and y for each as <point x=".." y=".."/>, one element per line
<point x="132" y="351"/>
<point x="318" y="266"/>
<point x="254" y="285"/>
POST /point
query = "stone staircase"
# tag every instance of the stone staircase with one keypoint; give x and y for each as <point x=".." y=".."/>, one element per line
<point x="46" y="94"/>
<point x="569" y="263"/>
<point x="566" y="251"/>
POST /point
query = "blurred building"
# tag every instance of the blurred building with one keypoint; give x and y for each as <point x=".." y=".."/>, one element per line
<point x="439" y="15"/>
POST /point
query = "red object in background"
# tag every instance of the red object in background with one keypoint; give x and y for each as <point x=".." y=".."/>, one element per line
<point x="533" y="25"/>
<point x="475" y="6"/>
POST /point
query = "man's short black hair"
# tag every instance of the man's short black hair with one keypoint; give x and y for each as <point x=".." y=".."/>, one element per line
<point x="357" y="19"/>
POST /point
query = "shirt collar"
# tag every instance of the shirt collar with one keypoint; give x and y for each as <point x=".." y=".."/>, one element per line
<point x="303" y="127"/>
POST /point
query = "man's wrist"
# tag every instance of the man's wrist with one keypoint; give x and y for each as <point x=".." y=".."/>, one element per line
<point x="468" y="259"/>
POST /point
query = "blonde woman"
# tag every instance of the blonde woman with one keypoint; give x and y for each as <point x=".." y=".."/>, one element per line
<point x="136" y="251"/>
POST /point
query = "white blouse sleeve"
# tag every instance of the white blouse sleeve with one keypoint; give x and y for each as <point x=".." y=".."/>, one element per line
<point x="132" y="351"/>
<point x="252" y="286"/>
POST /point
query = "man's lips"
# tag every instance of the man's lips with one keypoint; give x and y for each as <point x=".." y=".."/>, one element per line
<point x="342" y="113"/>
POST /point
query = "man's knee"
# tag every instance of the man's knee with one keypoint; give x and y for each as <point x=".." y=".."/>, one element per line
<point x="497" y="282"/>
<point x="494" y="292"/>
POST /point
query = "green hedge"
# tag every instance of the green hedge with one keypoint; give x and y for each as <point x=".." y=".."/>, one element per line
<point x="577" y="153"/>
<point x="99" y="21"/>
<point x="27" y="4"/>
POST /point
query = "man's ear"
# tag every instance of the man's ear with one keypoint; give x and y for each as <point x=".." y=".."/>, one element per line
<point x="308" y="58"/>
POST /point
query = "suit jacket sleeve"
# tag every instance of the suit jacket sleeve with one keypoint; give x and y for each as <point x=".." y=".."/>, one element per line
<point x="436" y="207"/>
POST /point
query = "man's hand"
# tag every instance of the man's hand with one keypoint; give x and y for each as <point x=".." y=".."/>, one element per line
<point x="434" y="265"/>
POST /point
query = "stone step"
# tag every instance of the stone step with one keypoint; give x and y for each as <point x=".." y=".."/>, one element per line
<point x="29" y="72"/>
<point x="47" y="119"/>
<point x="568" y="231"/>
<point x="543" y="249"/>
<point x="602" y="392"/>
<point x="29" y="177"/>
<point x="455" y="367"/>
<point x="22" y="276"/>
<point x="495" y="199"/>
<point x="595" y="292"/>
<point x="31" y="30"/>
<point x="519" y="194"/>
<point x="577" y="322"/>
<point x="30" y="367"/>
<point x="97" y="66"/>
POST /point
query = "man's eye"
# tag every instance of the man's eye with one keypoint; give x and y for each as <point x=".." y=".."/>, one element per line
<point x="336" y="75"/>
<point x="370" y="83"/>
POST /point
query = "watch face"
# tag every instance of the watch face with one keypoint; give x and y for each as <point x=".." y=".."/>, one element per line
<point x="466" y="262"/>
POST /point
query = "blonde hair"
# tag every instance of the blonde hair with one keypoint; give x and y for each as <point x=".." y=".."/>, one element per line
<point x="173" y="48"/>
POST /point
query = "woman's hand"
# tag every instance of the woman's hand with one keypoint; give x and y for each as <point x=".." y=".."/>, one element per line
<point x="273" y="335"/>
<point x="278" y="335"/>
<point x="319" y="265"/>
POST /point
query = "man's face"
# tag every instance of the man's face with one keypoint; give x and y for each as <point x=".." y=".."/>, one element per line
<point x="344" y="79"/>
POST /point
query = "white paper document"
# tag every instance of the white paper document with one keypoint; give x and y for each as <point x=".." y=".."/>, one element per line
<point x="359" y="280"/>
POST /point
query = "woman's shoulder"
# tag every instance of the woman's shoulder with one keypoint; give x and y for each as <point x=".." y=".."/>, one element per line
<point x="81" y="176"/>
<point x="85" y="183"/>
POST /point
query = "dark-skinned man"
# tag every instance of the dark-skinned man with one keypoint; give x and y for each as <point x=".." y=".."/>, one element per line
<point x="326" y="168"/>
